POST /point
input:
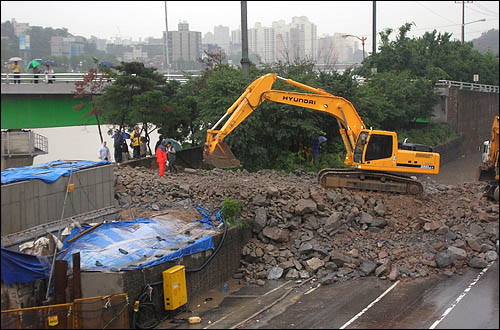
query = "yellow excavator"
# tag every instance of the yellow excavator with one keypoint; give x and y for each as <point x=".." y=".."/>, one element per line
<point x="489" y="169"/>
<point x="375" y="157"/>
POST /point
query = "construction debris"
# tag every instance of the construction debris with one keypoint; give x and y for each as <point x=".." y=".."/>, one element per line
<point x="302" y="230"/>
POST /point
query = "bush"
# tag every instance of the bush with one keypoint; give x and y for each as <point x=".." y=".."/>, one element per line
<point x="432" y="135"/>
<point x="230" y="211"/>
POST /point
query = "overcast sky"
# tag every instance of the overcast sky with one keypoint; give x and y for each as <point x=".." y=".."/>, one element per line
<point x="106" y="19"/>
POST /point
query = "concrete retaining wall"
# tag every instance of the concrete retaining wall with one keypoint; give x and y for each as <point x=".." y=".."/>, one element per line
<point x="31" y="203"/>
<point x="470" y="114"/>
<point x="450" y="151"/>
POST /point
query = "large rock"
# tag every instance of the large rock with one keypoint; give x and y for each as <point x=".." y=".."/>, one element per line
<point x="477" y="263"/>
<point x="333" y="223"/>
<point x="305" y="206"/>
<point x="444" y="259"/>
<point x="275" y="273"/>
<point x="365" y="218"/>
<point x="313" y="264"/>
<point x="367" y="267"/>
<point x="260" y="219"/>
<point x="458" y="254"/>
<point x="259" y="200"/>
<point x="276" y="234"/>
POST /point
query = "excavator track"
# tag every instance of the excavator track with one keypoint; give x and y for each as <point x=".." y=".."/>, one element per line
<point x="368" y="180"/>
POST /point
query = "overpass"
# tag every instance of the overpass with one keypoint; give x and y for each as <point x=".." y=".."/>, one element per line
<point x="44" y="104"/>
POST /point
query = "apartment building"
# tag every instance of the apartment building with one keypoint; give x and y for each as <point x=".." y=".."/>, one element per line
<point x="184" y="47"/>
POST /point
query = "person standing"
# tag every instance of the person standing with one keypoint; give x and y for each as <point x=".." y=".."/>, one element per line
<point x="36" y="71"/>
<point x="117" y="145"/>
<point x="161" y="157"/>
<point x="16" y="70"/>
<point x="160" y="139"/>
<point x="49" y="71"/>
<point x="136" y="141"/>
<point x="104" y="153"/>
<point x="171" y="158"/>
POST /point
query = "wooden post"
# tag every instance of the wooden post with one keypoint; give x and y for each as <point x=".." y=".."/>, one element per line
<point x="77" y="282"/>
<point x="60" y="281"/>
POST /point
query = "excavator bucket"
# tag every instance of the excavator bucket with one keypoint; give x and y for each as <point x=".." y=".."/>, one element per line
<point x="485" y="174"/>
<point x="221" y="157"/>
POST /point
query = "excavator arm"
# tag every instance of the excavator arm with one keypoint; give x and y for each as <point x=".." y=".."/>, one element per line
<point x="218" y="154"/>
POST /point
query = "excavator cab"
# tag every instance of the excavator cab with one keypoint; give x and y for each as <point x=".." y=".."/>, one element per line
<point x="372" y="146"/>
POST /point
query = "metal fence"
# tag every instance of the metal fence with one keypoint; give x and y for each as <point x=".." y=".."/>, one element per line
<point x="30" y="78"/>
<point x="23" y="143"/>
<point x="467" y="86"/>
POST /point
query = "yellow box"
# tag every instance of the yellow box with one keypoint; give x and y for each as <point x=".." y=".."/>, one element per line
<point x="174" y="287"/>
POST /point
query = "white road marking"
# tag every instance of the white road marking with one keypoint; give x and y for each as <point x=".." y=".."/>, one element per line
<point x="369" y="306"/>
<point x="225" y="317"/>
<point x="311" y="290"/>
<point x="449" y="309"/>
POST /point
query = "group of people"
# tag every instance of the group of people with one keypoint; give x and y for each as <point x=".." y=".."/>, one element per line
<point x="164" y="150"/>
<point x="16" y="70"/>
<point x="137" y="143"/>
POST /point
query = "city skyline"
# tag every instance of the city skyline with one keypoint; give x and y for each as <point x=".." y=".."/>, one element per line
<point x="330" y="17"/>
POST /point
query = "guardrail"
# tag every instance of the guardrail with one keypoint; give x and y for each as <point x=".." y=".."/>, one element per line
<point x="30" y="78"/>
<point x="23" y="143"/>
<point x="468" y="86"/>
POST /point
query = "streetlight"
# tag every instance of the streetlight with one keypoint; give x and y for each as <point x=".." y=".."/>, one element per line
<point x="362" y="39"/>
<point x="463" y="24"/>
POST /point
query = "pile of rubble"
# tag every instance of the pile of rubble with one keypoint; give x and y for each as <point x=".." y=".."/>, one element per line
<point x="303" y="230"/>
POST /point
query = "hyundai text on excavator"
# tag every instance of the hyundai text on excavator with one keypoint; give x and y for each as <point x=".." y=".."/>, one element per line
<point x="489" y="169"/>
<point x="375" y="157"/>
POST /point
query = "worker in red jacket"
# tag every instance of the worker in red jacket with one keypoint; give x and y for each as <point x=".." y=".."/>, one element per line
<point x="161" y="157"/>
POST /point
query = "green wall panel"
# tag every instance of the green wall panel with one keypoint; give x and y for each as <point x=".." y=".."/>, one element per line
<point x="41" y="111"/>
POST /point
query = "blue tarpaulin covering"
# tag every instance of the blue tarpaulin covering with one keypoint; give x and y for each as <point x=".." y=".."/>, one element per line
<point x="47" y="172"/>
<point x="118" y="245"/>
<point x="136" y="244"/>
<point x="22" y="267"/>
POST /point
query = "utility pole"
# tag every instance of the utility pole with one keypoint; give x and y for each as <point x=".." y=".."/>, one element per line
<point x="245" y="61"/>
<point x="463" y="18"/>
<point x="166" y="43"/>
<point x="374" y="29"/>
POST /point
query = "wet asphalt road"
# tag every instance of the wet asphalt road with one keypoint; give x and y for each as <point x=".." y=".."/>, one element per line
<point x="466" y="301"/>
<point x="415" y="304"/>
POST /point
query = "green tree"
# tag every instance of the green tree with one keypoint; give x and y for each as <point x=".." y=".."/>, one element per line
<point x="138" y="95"/>
<point x="392" y="101"/>
<point x="433" y="56"/>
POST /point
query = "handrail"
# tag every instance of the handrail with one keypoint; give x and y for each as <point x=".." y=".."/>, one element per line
<point x="468" y="86"/>
<point x="23" y="143"/>
<point x="68" y="77"/>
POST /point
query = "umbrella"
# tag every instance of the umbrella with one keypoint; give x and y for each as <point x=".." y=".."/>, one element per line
<point x="176" y="144"/>
<point x="15" y="59"/>
<point x="108" y="64"/>
<point x="48" y="62"/>
<point x="34" y="63"/>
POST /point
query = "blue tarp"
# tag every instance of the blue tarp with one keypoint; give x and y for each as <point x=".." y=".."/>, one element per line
<point x="115" y="246"/>
<point x="136" y="244"/>
<point x="47" y="172"/>
<point x="22" y="267"/>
